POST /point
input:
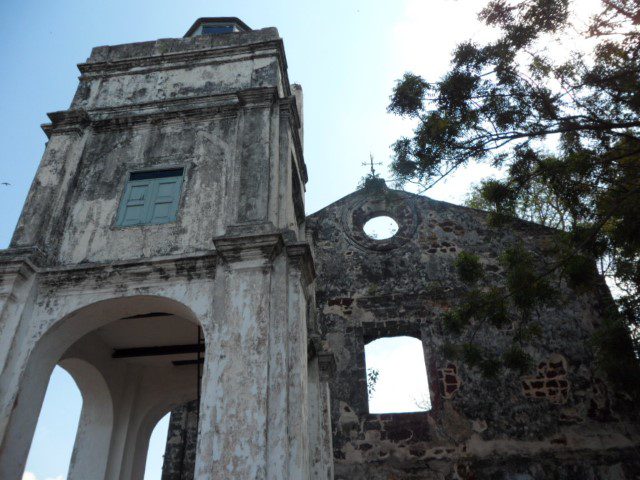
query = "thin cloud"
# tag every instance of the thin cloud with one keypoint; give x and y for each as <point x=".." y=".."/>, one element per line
<point x="32" y="476"/>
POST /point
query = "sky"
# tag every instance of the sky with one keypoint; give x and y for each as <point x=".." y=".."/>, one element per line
<point x="402" y="383"/>
<point x="346" y="54"/>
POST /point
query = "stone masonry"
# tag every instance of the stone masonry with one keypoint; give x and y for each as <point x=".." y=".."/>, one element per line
<point x="561" y="421"/>
<point x="242" y="302"/>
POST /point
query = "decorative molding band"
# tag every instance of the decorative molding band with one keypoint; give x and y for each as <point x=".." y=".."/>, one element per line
<point x="34" y="260"/>
<point x="189" y="57"/>
<point x="264" y="96"/>
<point x="31" y="258"/>
<point x="289" y="107"/>
<point x="319" y="349"/>
<point x="302" y="257"/>
<point x="258" y="249"/>
<point x="194" y="108"/>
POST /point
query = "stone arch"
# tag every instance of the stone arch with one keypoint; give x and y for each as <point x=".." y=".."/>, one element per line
<point x="148" y="423"/>
<point x="31" y="376"/>
<point x="96" y="420"/>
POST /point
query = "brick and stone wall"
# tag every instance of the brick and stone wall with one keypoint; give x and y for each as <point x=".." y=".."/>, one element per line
<point x="560" y="420"/>
<point x="180" y="452"/>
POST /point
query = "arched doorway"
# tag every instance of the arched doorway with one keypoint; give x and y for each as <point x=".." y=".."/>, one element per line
<point x="155" y="452"/>
<point x="133" y="359"/>
<point x="55" y="434"/>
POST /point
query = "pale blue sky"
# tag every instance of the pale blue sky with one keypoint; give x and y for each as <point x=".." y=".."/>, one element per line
<point x="346" y="54"/>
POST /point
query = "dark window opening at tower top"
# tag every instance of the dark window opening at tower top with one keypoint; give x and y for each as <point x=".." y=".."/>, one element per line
<point x="217" y="26"/>
<point x="216" y="29"/>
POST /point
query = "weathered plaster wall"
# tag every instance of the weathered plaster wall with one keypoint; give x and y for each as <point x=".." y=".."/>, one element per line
<point x="56" y="325"/>
<point x="558" y="422"/>
<point x="191" y="67"/>
<point x="235" y="260"/>
<point x="222" y="108"/>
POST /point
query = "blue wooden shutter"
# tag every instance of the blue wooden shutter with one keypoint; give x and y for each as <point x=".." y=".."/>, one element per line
<point x="150" y="198"/>
<point x="164" y="200"/>
<point x="133" y="210"/>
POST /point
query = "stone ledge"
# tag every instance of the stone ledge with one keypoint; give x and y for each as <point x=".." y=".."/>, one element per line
<point x="21" y="260"/>
<point x="191" y="107"/>
<point x="112" y="54"/>
<point x="178" y="60"/>
<point x="258" y="249"/>
<point x="300" y="253"/>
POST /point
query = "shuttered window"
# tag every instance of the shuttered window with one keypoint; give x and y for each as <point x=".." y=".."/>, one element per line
<point x="150" y="198"/>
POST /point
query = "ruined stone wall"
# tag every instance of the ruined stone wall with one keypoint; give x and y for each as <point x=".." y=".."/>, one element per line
<point x="180" y="452"/>
<point x="558" y="421"/>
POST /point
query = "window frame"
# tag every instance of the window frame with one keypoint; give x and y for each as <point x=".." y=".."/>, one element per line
<point x="372" y="331"/>
<point x="228" y="27"/>
<point x="118" y="221"/>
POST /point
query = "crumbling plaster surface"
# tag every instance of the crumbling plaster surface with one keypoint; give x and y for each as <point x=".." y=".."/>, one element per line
<point x="235" y="261"/>
<point x="65" y="307"/>
<point x="221" y="108"/>
<point x="173" y="69"/>
<point x="477" y="428"/>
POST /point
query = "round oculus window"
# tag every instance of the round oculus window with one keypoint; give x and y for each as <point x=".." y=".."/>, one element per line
<point x="381" y="227"/>
<point x="380" y="221"/>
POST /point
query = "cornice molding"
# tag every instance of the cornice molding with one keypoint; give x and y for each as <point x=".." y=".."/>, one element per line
<point x="302" y="257"/>
<point x="264" y="96"/>
<point x="21" y="261"/>
<point x="66" y="121"/>
<point x="191" y="57"/>
<point x="254" y="250"/>
<point x="193" y="108"/>
<point x="176" y="60"/>
<point x="289" y="108"/>
<point x="35" y="260"/>
<point x="144" y="271"/>
<point x="319" y="349"/>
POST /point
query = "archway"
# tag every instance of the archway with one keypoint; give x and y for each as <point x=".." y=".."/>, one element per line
<point x="55" y="433"/>
<point x="145" y="351"/>
<point x="156" y="449"/>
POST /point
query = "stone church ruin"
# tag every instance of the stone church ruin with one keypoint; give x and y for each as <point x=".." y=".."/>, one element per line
<point x="165" y="260"/>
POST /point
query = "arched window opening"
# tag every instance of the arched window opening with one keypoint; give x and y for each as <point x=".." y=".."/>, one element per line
<point x="155" y="454"/>
<point x="396" y="376"/>
<point x="55" y="433"/>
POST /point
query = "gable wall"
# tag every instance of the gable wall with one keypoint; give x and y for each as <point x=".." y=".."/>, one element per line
<point x="478" y="427"/>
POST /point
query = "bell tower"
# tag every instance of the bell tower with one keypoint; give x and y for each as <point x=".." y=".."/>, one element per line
<point x="169" y="207"/>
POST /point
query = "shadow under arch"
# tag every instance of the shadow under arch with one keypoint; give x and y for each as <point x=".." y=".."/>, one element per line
<point x="48" y="352"/>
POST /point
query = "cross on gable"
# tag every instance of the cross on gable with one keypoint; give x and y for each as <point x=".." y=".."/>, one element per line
<point x="371" y="164"/>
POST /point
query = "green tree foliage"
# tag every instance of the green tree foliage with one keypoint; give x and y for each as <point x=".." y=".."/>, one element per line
<point x="565" y="132"/>
<point x="372" y="380"/>
<point x="489" y="306"/>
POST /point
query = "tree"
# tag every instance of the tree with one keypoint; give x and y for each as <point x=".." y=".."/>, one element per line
<point x="372" y="380"/>
<point x="565" y="132"/>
